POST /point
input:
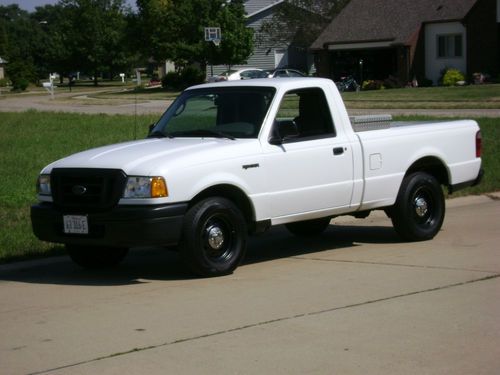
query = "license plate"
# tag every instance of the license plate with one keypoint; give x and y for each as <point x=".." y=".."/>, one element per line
<point x="75" y="224"/>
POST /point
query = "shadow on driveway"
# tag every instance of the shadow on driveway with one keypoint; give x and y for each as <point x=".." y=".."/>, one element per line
<point x="143" y="265"/>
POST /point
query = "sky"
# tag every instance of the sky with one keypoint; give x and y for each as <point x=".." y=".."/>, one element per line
<point x="30" y="5"/>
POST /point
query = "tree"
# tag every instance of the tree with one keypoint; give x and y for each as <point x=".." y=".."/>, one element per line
<point x="18" y="41"/>
<point x="95" y="35"/>
<point x="301" y="21"/>
<point x="237" y="39"/>
<point x="4" y="41"/>
<point x="174" y="30"/>
<point x="53" y="53"/>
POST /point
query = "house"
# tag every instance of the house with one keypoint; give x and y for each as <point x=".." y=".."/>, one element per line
<point x="268" y="55"/>
<point x="2" y="67"/>
<point x="406" y="39"/>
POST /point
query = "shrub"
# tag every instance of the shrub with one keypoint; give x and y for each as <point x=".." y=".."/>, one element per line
<point x="425" y="82"/>
<point x="4" y="82"/>
<point x="21" y="73"/>
<point x="20" y="84"/>
<point x="392" y="82"/>
<point x="452" y="76"/>
<point x="373" y="85"/>
<point x="179" y="80"/>
<point x="192" y="76"/>
<point x="170" y="80"/>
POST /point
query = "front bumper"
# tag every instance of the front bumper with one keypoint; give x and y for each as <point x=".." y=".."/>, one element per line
<point x="123" y="226"/>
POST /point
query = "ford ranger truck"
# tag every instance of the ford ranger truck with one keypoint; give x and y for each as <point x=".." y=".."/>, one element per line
<point x="230" y="159"/>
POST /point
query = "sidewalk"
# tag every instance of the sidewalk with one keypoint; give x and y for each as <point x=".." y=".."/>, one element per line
<point x="79" y="103"/>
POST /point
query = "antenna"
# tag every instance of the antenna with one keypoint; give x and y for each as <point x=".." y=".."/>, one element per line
<point x="135" y="115"/>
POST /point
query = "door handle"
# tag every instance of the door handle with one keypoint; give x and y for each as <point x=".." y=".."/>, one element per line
<point x="338" y="150"/>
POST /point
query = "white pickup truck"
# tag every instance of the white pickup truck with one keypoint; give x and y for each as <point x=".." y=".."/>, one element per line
<point x="231" y="159"/>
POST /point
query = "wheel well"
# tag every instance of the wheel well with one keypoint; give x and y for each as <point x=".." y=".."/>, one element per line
<point x="234" y="194"/>
<point x="432" y="166"/>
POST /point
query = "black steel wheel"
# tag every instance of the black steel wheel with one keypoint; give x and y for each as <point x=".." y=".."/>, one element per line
<point x="419" y="210"/>
<point x="308" y="228"/>
<point x="96" y="256"/>
<point x="214" y="237"/>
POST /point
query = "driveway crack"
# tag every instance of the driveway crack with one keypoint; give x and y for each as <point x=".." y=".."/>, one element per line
<point x="267" y="322"/>
<point x="393" y="264"/>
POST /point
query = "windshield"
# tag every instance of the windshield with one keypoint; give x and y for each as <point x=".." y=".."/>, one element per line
<point x="230" y="112"/>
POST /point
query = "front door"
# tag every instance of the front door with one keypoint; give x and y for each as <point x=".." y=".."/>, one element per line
<point x="312" y="170"/>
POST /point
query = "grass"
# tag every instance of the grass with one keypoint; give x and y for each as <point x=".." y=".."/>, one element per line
<point x="466" y="97"/>
<point x="30" y="140"/>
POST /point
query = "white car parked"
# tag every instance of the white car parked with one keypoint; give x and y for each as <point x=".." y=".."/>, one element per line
<point x="234" y="75"/>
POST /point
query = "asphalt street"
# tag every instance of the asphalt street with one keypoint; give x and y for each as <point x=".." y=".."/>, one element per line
<point x="81" y="103"/>
<point x="355" y="300"/>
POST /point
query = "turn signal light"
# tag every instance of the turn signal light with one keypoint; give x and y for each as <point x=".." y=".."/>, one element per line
<point x="158" y="188"/>
<point x="479" y="144"/>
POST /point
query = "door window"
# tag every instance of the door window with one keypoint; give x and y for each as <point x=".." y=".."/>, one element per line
<point x="307" y="110"/>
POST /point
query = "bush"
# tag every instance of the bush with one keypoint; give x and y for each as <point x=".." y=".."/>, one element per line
<point x="452" y="76"/>
<point x="20" y="84"/>
<point x="373" y="85"/>
<point x="425" y="82"/>
<point x="179" y="80"/>
<point x="392" y="82"/>
<point x="20" y="74"/>
<point x="4" y="82"/>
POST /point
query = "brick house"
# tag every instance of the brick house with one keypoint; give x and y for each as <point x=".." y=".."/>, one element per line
<point x="375" y="39"/>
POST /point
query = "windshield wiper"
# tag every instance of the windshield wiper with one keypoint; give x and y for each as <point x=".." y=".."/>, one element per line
<point x="203" y="133"/>
<point x="159" y="134"/>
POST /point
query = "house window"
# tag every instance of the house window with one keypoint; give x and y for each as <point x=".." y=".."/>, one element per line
<point x="449" y="46"/>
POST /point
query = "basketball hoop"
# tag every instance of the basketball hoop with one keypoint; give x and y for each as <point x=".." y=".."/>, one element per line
<point x="213" y="34"/>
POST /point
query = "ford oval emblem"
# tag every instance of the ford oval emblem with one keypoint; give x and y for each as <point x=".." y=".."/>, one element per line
<point x="79" y="190"/>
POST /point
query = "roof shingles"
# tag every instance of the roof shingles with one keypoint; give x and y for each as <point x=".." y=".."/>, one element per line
<point x="395" y="21"/>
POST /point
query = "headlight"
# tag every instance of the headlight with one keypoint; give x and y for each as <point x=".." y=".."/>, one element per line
<point x="43" y="185"/>
<point x="145" y="187"/>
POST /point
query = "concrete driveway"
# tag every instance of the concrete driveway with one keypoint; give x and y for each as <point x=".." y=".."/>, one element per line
<point x="353" y="301"/>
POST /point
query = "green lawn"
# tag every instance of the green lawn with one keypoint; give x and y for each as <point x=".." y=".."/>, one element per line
<point x="31" y="140"/>
<point x="474" y="96"/>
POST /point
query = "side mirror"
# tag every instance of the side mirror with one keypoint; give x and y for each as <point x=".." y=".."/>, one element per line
<point x="283" y="131"/>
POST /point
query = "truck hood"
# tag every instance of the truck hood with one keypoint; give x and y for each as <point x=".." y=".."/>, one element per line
<point x="153" y="156"/>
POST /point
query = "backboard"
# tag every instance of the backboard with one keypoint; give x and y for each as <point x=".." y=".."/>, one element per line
<point x="213" y="34"/>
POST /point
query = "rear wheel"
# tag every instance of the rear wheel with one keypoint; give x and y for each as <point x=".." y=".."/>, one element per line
<point x="96" y="256"/>
<point x="308" y="228"/>
<point x="418" y="213"/>
<point x="214" y="237"/>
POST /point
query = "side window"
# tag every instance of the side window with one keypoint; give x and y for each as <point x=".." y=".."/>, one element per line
<point x="306" y="110"/>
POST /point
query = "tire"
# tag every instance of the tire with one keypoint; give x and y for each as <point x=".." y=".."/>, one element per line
<point x="419" y="210"/>
<point x="214" y="237"/>
<point x="308" y="228"/>
<point x="96" y="256"/>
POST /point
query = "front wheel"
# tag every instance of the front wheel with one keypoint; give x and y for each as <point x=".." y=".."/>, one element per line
<point x="96" y="256"/>
<point x="214" y="237"/>
<point x="418" y="213"/>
